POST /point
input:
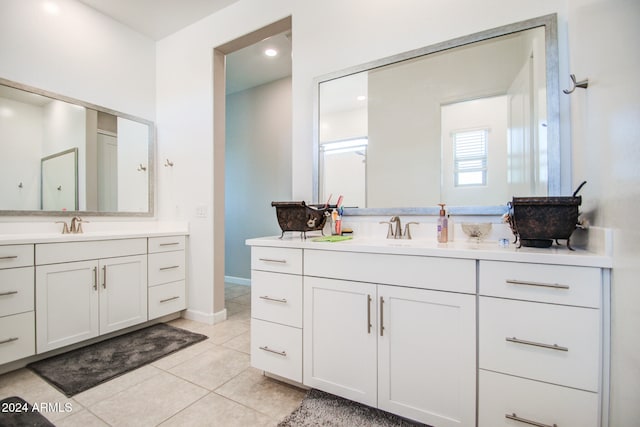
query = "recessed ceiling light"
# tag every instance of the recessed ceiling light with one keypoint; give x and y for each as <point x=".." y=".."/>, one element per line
<point x="270" y="52"/>
<point x="361" y="98"/>
<point x="51" y="8"/>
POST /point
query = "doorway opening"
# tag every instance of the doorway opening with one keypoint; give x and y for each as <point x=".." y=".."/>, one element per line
<point x="252" y="152"/>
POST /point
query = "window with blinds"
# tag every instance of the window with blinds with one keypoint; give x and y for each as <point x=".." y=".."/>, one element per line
<point x="470" y="157"/>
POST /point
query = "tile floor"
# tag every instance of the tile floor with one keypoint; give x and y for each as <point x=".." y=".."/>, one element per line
<point x="208" y="384"/>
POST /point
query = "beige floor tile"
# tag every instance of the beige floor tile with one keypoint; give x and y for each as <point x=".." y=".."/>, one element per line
<point x="36" y="391"/>
<point x="148" y="403"/>
<point x="240" y="343"/>
<point x="234" y="308"/>
<point x="213" y="368"/>
<point x="183" y="355"/>
<point x="224" y="331"/>
<point x="242" y="299"/>
<point x="82" y="418"/>
<point x="189" y="325"/>
<point x="116" y="385"/>
<point x="215" y="410"/>
<point x="242" y="315"/>
<point x="234" y="291"/>
<point x="274" y="398"/>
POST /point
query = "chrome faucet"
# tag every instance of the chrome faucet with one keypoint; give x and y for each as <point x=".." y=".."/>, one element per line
<point x="398" y="233"/>
<point x="76" y="225"/>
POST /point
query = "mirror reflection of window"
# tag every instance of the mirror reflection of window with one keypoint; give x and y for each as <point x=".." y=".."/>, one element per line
<point x="470" y="157"/>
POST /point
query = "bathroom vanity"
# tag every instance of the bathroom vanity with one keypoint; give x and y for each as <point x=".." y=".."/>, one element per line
<point x="457" y="334"/>
<point x="59" y="290"/>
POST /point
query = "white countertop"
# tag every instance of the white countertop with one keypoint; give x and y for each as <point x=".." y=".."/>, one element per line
<point x="29" y="233"/>
<point x="489" y="250"/>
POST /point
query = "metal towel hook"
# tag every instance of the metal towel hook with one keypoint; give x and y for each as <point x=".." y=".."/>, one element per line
<point x="168" y="163"/>
<point x="142" y="168"/>
<point x="581" y="84"/>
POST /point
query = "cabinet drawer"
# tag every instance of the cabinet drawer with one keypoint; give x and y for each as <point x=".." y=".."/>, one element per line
<point x="518" y="338"/>
<point x="280" y="260"/>
<point x="276" y="297"/>
<point x="165" y="244"/>
<point x="534" y="401"/>
<point x="165" y="267"/>
<point x="447" y="274"/>
<point x="558" y="284"/>
<point x="16" y="290"/>
<point x="16" y="256"/>
<point x="17" y="337"/>
<point x="53" y="253"/>
<point x="277" y="349"/>
<point x="166" y="299"/>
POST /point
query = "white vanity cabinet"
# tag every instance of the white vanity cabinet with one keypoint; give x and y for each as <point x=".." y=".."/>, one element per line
<point x="77" y="300"/>
<point x="17" y="319"/>
<point x="167" y="275"/>
<point x="540" y="344"/>
<point x="406" y="346"/>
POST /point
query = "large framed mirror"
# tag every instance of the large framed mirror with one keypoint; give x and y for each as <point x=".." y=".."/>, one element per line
<point x="470" y="122"/>
<point x="62" y="156"/>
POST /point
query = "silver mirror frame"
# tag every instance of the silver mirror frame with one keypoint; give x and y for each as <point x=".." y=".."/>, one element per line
<point x="549" y="22"/>
<point x="150" y="150"/>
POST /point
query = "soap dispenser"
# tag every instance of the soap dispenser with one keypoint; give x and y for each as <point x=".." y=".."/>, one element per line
<point x="443" y="225"/>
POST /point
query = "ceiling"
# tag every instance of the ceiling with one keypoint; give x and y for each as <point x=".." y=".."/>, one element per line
<point x="157" y="19"/>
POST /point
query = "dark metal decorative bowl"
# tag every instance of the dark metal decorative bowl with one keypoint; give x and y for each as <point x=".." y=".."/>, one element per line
<point x="539" y="221"/>
<point x="298" y="216"/>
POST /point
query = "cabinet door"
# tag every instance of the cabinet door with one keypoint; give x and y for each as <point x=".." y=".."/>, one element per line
<point x="66" y="304"/>
<point x="427" y="355"/>
<point x="340" y="338"/>
<point x="123" y="292"/>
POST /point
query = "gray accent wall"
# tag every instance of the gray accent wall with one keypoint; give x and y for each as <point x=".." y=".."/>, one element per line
<point x="257" y="168"/>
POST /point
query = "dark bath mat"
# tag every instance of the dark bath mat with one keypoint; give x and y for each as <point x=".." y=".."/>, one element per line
<point x="15" y="412"/>
<point x="86" y="367"/>
<point x="323" y="409"/>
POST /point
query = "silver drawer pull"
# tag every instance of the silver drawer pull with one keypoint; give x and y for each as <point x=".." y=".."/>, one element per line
<point x="4" y="294"/>
<point x="268" y="298"/>
<point x="169" y="299"/>
<point x="526" y="421"/>
<point x="9" y="257"/>
<point x="279" y="353"/>
<point x="169" y="244"/>
<point x="8" y="340"/>
<point x="539" y="284"/>
<point x="537" y="344"/>
<point x="281" y="261"/>
<point x="169" y="268"/>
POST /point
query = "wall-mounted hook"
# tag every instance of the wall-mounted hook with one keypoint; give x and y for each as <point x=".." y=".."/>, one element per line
<point x="141" y="168"/>
<point x="581" y="84"/>
<point x="20" y="185"/>
<point x="59" y="187"/>
<point x="168" y="163"/>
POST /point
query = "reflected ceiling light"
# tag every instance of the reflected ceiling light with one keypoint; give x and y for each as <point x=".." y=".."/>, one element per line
<point x="270" y="52"/>
<point x="51" y="8"/>
<point x="361" y="97"/>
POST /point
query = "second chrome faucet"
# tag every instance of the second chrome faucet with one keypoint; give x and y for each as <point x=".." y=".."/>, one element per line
<point x="396" y="232"/>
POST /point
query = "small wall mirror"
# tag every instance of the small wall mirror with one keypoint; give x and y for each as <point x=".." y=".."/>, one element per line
<point x="61" y="155"/>
<point x="470" y="122"/>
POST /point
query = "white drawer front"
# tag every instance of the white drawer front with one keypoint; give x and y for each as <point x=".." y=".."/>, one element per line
<point x="16" y="256"/>
<point x="16" y="290"/>
<point x="165" y="267"/>
<point x="166" y="299"/>
<point x="546" y="404"/>
<point x="280" y="260"/>
<point x="277" y="349"/>
<point x="276" y="297"/>
<point x="510" y="330"/>
<point x="165" y="244"/>
<point x="52" y="253"/>
<point x="447" y="274"/>
<point x="17" y="337"/>
<point x="558" y="284"/>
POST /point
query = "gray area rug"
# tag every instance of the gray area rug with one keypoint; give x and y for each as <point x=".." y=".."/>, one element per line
<point x="86" y="367"/>
<point x="15" y="412"/>
<point x="323" y="409"/>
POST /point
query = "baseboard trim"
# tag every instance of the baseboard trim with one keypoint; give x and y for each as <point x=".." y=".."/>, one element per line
<point x="237" y="280"/>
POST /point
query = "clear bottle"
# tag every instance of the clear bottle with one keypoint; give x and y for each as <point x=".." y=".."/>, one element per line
<point x="443" y="225"/>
